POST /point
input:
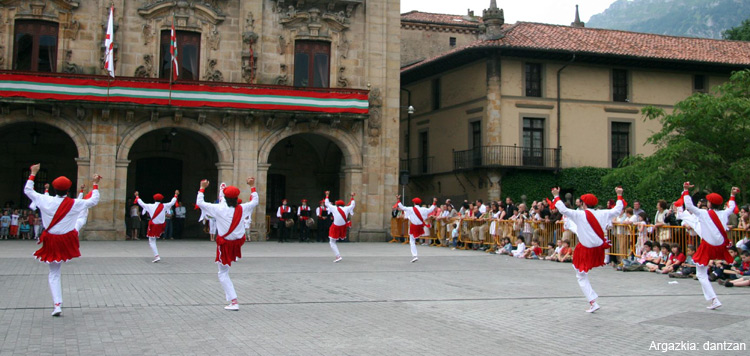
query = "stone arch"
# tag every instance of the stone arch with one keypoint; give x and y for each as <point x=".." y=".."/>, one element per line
<point x="72" y="130"/>
<point x="348" y="145"/>
<point x="219" y="139"/>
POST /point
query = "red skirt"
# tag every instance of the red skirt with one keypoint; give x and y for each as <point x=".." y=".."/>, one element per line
<point x="707" y="252"/>
<point x="58" y="248"/>
<point x="229" y="252"/>
<point x="155" y="230"/>
<point x="337" y="232"/>
<point x="587" y="258"/>
<point x="13" y="230"/>
<point x="416" y="230"/>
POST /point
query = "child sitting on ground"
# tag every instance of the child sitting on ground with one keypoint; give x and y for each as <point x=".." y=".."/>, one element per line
<point x="534" y="251"/>
<point x="718" y="267"/>
<point x="566" y="252"/>
<point x="556" y="252"/>
<point x="647" y="255"/>
<point x="743" y="272"/>
<point x="520" y="247"/>
<point x="656" y="265"/>
<point x="551" y="250"/>
<point x="676" y="258"/>
<point x="688" y="267"/>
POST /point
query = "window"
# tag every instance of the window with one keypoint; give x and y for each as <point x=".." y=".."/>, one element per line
<point x="699" y="83"/>
<point x="533" y="141"/>
<point x="35" y="46"/>
<point x="533" y="79"/>
<point x="188" y="55"/>
<point x="423" y="152"/>
<point x="311" y="64"/>
<point x="475" y="137"/>
<point x="619" y="85"/>
<point x="436" y="94"/>
<point x="620" y="142"/>
<point x="452" y="41"/>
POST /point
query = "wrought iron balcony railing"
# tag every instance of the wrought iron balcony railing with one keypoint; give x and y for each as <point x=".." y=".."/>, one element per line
<point x="506" y="156"/>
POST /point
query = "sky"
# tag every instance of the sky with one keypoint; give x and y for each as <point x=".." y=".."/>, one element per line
<point x="561" y="12"/>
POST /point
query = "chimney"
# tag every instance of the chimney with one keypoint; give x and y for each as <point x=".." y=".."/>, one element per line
<point x="493" y="19"/>
<point x="577" y="22"/>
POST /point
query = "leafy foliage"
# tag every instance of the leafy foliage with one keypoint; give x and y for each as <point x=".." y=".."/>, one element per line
<point x="739" y="33"/>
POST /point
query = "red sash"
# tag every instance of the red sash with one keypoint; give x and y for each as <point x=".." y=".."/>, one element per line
<point x="158" y="210"/>
<point x="343" y="215"/>
<point x="419" y="216"/>
<point x="236" y="218"/>
<point x="717" y="222"/>
<point x="596" y="227"/>
<point x="61" y="212"/>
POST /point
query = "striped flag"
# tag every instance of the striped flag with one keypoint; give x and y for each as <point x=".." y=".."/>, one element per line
<point x="173" y="51"/>
<point x="109" y="44"/>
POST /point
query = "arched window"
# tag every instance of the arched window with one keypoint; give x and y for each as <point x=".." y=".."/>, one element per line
<point x="188" y="55"/>
<point x="35" y="46"/>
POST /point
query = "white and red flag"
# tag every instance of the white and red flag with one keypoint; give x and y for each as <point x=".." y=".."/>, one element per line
<point x="173" y="52"/>
<point x="109" y="44"/>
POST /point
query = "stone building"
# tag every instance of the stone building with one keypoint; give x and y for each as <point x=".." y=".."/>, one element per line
<point x="540" y="97"/>
<point x="302" y="95"/>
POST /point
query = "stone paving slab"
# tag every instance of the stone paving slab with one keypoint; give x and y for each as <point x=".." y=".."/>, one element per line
<point x="295" y="301"/>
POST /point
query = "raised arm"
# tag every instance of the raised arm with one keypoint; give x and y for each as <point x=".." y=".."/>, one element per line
<point x="559" y="205"/>
<point x="398" y="203"/>
<point x="328" y="202"/>
<point x="200" y="200"/>
<point x="617" y="210"/>
<point x="173" y="201"/>
<point x="28" y="189"/>
<point x="351" y="205"/>
<point x="90" y="202"/>
<point x="434" y="205"/>
<point x="689" y="206"/>
<point x="254" y="200"/>
<point x="731" y="204"/>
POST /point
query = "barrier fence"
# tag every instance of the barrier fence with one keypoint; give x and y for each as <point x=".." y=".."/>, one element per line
<point x="626" y="239"/>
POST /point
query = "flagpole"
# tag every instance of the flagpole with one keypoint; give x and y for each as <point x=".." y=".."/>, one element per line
<point x="171" y="60"/>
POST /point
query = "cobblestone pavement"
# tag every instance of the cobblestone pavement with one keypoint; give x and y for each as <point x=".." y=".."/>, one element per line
<point x="295" y="301"/>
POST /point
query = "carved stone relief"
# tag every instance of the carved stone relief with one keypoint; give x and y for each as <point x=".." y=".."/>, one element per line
<point x="147" y="69"/>
<point x="68" y="66"/>
<point x="283" y="79"/>
<point x="316" y="18"/>
<point x="374" y="123"/>
<point x="342" y="81"/>
<point x="187" y="13"/>
<point x="213" y="74"/>
<point x="148" y="33"/>
<point x="214" y="38"/>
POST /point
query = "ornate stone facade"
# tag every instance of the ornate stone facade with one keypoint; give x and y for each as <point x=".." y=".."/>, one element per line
<point x="241" y="42"/>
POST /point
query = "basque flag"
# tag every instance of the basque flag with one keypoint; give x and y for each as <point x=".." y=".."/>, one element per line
<point x="109" y="45"/>
<point x="173" y="51"/>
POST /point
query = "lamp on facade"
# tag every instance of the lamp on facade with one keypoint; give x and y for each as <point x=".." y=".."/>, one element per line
<point x="173" y="132"/>
<point x="34" y="136"/>
<point x="166" y="142"/>
<point x="289" y="148"/>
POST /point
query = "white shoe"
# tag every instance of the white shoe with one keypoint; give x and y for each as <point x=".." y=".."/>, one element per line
<point x="338" y="259"/>
<point x="232" y="307"/>
<point x="57" y="311"/>
<point x="156" y="259"/>
<point x="594" y="307"/>
<point x="716" y="303"/>
<point x="415" y="259"/>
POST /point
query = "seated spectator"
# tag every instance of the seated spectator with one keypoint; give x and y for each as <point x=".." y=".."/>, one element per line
<point x="718" y="267"/>
<point x="566" y="252"/>
<point x="675" y="260"/>
<point x="507" y="248"/>
<point x="551" y="250"/>
<point x="687" y="269"/>
<point x="647" y="255"/>
<point x="743" y="274"/>
<point x="520" y="247"/>
<point x="661" y="261"/>
<point x="533" y="252"/>
<point x="555" y="252"/>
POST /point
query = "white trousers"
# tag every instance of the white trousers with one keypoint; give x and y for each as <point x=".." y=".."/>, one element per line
<point x="413" y="246"/>
<point x="54" y="282"/>
<point x="334" y="247"/>
<point x="226" y="283"/>
<point x="583" y="282"/>
<point x="152" y="243"/>
<point x="702" y="273"/>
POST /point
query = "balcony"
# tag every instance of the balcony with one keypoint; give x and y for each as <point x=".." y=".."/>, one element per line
<point x="506" y="157"/>
<point x="127" y="92"/>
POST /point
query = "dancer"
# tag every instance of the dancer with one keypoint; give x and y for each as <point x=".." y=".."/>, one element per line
<point x="416" y="216"/>
<point x="712" y="229"/>
<point x="231" y="236"/>
<point x="589" y="225"/>
<point x="156" y="225"/>
<point x="60" y="238"/>
<point x="340" y="223"/>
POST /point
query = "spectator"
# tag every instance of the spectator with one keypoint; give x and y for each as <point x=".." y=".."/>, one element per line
<point x="180" y="212"/>
<point x="721" y="269"/>
<point x="647" y="255"/>
<point x="37" y="226"/>
<point x="661" y="261"/>
<point x="168" y="221"/>
<point x="642" y="232"/>
<point x="24" y="228"/>
<point x="660" y="222"/>
<point x="135" y="221"/>
<point x="14" y="224"/>
<point x="520" y="247"/>
<point x="554" y="250"/>
<point x="533" y="252"/>
<point x="743" y="272"/>
<point x="507" y="248"/>
<point x="454" y="236"/>
<point x="637" y="207"/>
<point x="675" y="260"/>
<point x="687" y="269"/>
<point x="566" y="252"/>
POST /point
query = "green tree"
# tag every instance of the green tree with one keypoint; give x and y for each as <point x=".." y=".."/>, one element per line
<point x="705" y="140"/>
<point x="739" y="33"/>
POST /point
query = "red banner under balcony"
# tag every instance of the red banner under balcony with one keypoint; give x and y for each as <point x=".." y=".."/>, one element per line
<point x="194" y="94"/>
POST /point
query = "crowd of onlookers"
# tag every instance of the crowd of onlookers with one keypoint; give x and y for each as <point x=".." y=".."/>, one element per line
<point x="507" y="228"/>
<point x="20" y="224"/>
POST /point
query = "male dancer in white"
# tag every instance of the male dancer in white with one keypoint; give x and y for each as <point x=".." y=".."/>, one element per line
<point x="712" y="229"/>
<point x="340" y="223"/>
<point x="589" y="225"/>
<point x="416" y="215"/>
<point x="60" y="239"/>
<point x="157" y="211"/>
<point x="231" y="236"/>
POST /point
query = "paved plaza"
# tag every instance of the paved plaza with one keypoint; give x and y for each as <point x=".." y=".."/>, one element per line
<point x="295" y="301"/>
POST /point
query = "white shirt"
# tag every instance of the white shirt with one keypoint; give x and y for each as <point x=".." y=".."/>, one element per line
<point x="286" y="209"/>
<point x="48" y="206"/>
<point x="483" y="209"/>
<point x="706" y="228"/>
<point x="151" y="209"/>
<point x="338" y="220"/>
<point x="581" y="227"/>
<point x="301" y="209"/>
<point x="223" y="214"/>
<point x="412" y="216"/>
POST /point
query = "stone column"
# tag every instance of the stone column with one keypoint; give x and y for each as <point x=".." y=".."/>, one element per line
<point x="104" y="138"/>
<point x="493" y="119"/>
<point x="84" y="172"/>
<point x="122" y="198"/>
<point x="353" y="181"/>
<point x="261" y="185"/>
<point x="226" y="173"/>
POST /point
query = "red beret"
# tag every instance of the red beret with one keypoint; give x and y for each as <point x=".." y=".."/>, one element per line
<point x="715" y="199"/>
<point x="339" y="202"/>
<point x="158" y="197"/>
<point x="304" y="200"/>
<point x="61" y="183"/>
<point x="322" y="202"/>
<point x="590" y="200"/>
<point x="417" y="201"/>
<point x="284" y="201"/>
<point x="231" y="192"/>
